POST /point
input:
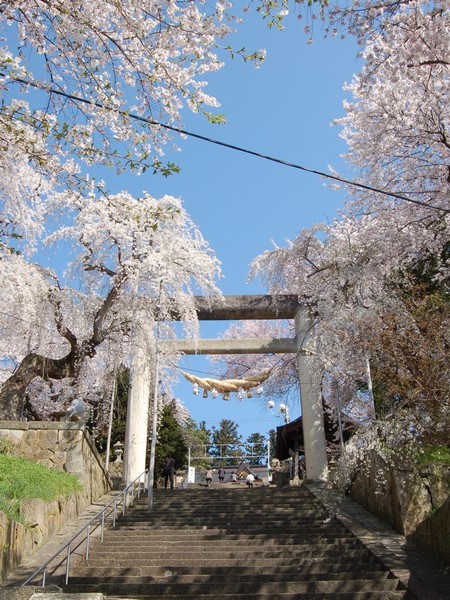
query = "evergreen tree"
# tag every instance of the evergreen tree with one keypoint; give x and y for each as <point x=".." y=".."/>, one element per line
<point x="255" y="446"/>
<point x="228" y="441"/>
<point x="272" y="443"/>
<point x="119" y="419"/>
<point x="170" y="440"/>
<point x="198" y="438"/>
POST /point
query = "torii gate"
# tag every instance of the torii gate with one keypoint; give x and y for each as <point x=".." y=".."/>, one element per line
<point x="240" y="308"/>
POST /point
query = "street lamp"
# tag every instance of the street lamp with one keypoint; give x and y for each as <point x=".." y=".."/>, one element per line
<point x="282" y="408"/>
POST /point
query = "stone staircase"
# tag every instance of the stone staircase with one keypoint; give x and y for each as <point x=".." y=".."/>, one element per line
<point x="233" y="544"/>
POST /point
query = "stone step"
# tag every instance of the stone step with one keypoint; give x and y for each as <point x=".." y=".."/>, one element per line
<point x="222" y="545"/>
<point x="352" y="549"/>
<point x="132" y="536"/>
<point x="209" y="538"/>
<point x="305" y="568"/>
<point x="237" y="512"/>
<point x="373" y="595"/>
<point x="266" y="561"/>
<point x="263" y="494"/>
<point x="244" y="587"/>
<point x="258" y="505"/>
<point x="179" y="518"/>
<point x="299" y="523"/>
<point x="163" y="542"/>
<point x="221" y="554"/>
<point x="199" y="529"/>
<point x="174" y="576"/>
<point x="231" y="529"/>
<point x="225" y="491"/>
<point x="231" y="525"/>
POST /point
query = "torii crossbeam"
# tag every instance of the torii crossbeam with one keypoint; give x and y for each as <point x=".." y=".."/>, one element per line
<point x="248" y="308"/>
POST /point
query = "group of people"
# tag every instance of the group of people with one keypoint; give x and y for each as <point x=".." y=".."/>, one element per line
<point x="169" y="474"/>
<point x="220" y="473"/>
<point x="249" y="480"/>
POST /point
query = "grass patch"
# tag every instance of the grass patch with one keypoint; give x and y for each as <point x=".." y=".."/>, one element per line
<point x="434" y="455"/>
<point x="21" y="479"/>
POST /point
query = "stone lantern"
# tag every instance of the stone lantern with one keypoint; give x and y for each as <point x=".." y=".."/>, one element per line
<point x="118" y="450"/>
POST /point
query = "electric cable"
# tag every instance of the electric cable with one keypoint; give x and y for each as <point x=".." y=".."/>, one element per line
<point x="50" y="90"/>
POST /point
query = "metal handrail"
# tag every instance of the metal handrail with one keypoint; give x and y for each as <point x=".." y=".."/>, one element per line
<point x="126" y="495"/>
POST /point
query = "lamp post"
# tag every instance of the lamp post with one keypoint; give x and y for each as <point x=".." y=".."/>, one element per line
<point x="282" y="408"/>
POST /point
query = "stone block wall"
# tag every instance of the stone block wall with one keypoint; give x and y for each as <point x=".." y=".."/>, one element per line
<point x="414" y="502"/>
<point x="433" y="534"/>
<point x="61" y="446"/>
<point x="43" y="521"/>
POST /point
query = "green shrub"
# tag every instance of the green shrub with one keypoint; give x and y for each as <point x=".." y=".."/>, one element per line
<point x="21" y="479"/>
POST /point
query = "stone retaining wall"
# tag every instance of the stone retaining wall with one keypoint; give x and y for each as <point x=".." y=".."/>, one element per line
<point x="60" y="446"/>
<point x="415" y="503"/>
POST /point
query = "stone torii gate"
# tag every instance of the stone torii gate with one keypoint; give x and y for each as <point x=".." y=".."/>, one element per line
<point x="241" y="308"/>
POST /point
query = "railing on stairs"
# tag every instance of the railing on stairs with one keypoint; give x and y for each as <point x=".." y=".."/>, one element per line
<point x="117" y="506"/>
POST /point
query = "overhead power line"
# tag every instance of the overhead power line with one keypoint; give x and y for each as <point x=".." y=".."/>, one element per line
<point x="50" y="90"/>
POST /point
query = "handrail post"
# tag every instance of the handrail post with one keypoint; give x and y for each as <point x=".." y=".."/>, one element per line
<point x="103" y="526"/>
<point x="67" y="564"/>
<point x="114" y="514"/>
<point x="88" y="541"/>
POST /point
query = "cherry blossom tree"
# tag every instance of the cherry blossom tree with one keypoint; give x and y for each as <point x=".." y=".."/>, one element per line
<point x="86" y="84"/>
<point x="397" y="128"/>
<point x="361" y="18"/>
<point x="364" y="273"/>
<point x="353" y="279"/>
<point x="283" y="371"/>
<point x="95" y="63"/>
<point x="134" y="257"/>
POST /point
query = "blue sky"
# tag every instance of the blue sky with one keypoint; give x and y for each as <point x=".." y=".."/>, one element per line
<point x="241" y="203"/>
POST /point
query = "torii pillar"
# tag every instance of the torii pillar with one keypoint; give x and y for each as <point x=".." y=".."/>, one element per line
<point x="136" y="432"/>
<point x="309" y="377"/>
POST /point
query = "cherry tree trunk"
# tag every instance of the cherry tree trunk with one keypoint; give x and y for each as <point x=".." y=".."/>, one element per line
<point x="32" y="366"/>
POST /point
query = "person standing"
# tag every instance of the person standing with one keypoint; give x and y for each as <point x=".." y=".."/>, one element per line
<point x="221" y="473"/>
<point x="208" y="477"/>
<point x="169" y="471"/>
